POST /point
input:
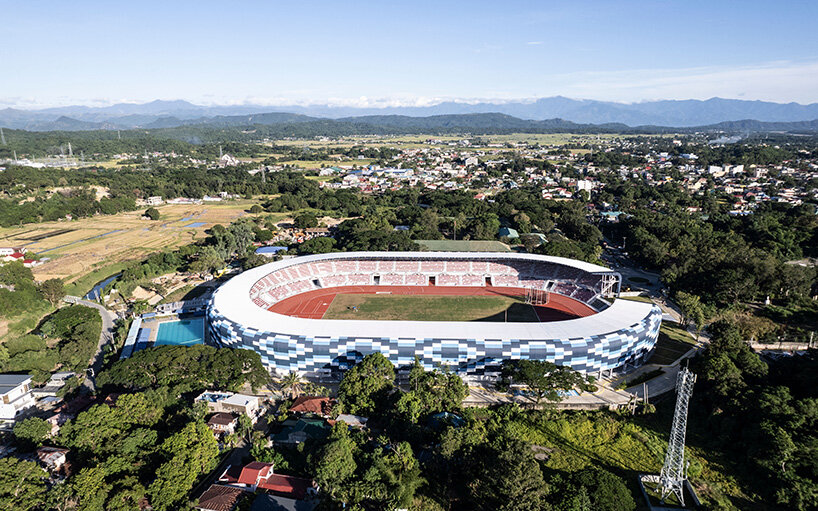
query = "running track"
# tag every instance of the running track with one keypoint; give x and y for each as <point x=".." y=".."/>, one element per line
<point x="314" y="304"/>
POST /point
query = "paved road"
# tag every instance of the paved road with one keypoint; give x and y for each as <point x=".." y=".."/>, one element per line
<point x="105" y="336"/>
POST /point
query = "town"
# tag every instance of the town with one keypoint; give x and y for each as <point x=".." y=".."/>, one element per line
<point x="275" y="432"/>
<point x="381" y="256"/>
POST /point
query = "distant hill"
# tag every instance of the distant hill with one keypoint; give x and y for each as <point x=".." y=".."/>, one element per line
<point x="283" y="124"/>
<point x="670" y="113"/>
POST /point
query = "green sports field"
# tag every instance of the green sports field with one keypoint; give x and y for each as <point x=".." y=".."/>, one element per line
<point x="430" y="308"/>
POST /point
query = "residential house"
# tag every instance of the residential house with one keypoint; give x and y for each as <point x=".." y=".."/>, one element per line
<point x="7" y="251"/>
<point x="220" y="498"/>
<point x="259" y="476"/>
<point x="223" y="423"/>
<point x="53" y="458"/>
<point x="312" y="404"/>
<point x="355" y="421"/>
<point x="57" y="381"/>
<point x="15" y="397"/>
<point x="229" y="402"/>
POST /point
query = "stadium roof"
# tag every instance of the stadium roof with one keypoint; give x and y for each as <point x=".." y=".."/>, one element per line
<point x="463" y="246"/>
<point x="232" y="300"/>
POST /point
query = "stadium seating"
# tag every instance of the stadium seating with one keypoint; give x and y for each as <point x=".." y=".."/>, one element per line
<point x="299" y="278"/>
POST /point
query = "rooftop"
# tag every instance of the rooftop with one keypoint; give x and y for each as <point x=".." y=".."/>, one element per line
<point x="9" y="382"/>
<point x="220" y="498"/>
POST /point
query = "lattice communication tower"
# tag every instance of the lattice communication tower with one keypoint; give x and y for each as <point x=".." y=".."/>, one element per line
<point x="674" y="471"/>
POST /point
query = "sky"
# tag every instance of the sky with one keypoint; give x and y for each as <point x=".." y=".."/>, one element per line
<point x="379" y="53"/>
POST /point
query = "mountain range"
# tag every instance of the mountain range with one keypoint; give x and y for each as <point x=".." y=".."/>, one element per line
<point x="510" y="115"/>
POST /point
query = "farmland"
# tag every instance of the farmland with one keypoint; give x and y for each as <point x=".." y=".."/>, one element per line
<point x="77" y="247"/>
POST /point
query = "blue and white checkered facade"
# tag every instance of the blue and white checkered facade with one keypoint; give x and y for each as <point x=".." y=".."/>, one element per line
<point x="623" y="333"/>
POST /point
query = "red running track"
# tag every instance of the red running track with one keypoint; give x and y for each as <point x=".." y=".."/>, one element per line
<point x="314" y="304"/>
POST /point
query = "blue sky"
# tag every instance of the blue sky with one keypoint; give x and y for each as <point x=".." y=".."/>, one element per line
<point x="382" y="52"/>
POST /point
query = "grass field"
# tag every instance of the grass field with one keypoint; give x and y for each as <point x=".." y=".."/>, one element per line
<point x="463" y="246"/>
<point x="643" y="299"/>
<point x="316" y="164"/>
<point x="89" y="244"/>
<point x="430" y="308"/>
<point x="673" y="342"/>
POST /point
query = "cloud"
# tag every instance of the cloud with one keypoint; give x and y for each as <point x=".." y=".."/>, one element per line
<point x="781" y="81"/>
<point x="534" y="43"/>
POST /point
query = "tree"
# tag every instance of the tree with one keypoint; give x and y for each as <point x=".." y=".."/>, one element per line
<point x="606" y="491"/>
<point x="245" y="426"/>
<point x="188" y="368"/>
<point x="367" y="384"/>
<point x="52" y="290"/>
<point x="691" y="307"/>
<point x="22" y="484"/>
<point x="292" y="382"/>
<point x="431" y="392"/>
<point x="207" y="261"/>
<point x="90" y="488"/>
<point x="510" y="479"/>
<point x="334" y="463"/>
<point x="306" y="220"/>
<point x="189" y="453"/>
<point x="393" y="476"/>
<point x="545" y="379"/>
<point x="256" y="209"/>
<point x="320" y="245"/>
<point x="32" y="431"/>
<point x="152" y="213"/>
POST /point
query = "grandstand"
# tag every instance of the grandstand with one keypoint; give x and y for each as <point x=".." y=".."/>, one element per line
<point x="253" y="310"/>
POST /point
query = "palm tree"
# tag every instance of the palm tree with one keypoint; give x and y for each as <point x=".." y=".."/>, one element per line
<point x="291" y="382"/>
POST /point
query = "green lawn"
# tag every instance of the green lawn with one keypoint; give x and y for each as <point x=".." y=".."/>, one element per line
<point x="644" y="299"/>
<point x="188" y="292"/>
<point x="673" y="342"/>
<point x="626" y="446"/>
<point x="84" y="284"/>
<point x="430" y="308"/>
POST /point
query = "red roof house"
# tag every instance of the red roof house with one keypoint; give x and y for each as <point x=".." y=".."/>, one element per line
<point x="220" y="498"/>
<point x="258" y="475"/>
<point x="311" y="404"/>
<point x="287" y="486"/>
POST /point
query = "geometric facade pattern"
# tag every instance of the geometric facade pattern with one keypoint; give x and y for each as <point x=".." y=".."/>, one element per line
<point x="619" y="334"/>
<point x="286" y="352"/>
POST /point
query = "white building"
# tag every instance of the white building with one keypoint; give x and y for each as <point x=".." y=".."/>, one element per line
<point x="229" y="402"/>
<point x="228" y="160"/>
<point x="15" y="397"/>
<point x="7" y="251"/>
<point x="585" y="184"/>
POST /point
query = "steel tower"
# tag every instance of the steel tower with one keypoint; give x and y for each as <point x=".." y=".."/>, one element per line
<point x="674" y="470"/>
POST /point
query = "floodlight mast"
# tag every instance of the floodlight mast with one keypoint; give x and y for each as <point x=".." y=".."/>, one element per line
<point x="673" y="475"/>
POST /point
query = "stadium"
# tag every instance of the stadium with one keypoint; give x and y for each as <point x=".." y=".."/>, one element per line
<point x="469" y="311"/>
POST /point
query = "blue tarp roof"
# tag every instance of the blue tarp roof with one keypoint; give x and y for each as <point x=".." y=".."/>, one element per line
<point x="269" y="250"/>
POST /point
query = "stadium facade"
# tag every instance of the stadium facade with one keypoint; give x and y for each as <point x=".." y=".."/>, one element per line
<point x="618" y="334"/>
